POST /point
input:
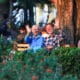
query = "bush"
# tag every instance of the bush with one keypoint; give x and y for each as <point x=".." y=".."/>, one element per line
<point x="70" y="60"/>
<point x="61" y="64"/>
<point x="5" y="48"/>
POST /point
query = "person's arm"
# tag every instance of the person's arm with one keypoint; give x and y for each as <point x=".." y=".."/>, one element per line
<point x="28" y="35"/>
<point x="79" y="44"/>
<point x="50" y="47"/>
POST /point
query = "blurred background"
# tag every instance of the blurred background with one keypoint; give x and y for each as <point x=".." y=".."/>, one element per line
<point x="64" y="12"/>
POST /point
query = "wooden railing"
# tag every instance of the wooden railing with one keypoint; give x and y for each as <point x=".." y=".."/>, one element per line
<point x="21" y="47"/>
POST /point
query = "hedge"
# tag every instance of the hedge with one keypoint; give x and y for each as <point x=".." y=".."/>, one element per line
<point x="60" y="64"/>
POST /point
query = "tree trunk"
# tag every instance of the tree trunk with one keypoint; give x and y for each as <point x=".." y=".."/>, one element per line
<point x="74" y="19"/>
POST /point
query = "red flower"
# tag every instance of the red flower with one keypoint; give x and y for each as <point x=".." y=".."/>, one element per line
<point x="48" y="70"/>
<point x="34" y="78"/>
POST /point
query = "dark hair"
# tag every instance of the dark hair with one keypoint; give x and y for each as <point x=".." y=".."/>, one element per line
<point x="5" y="16"/>
<point x="22" y="27"/>
<point x="52" y="25"/>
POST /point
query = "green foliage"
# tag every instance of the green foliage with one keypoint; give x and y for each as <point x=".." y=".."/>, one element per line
<point x="2" y="1"/>
<point x="61" y="64"/>
<point x="69" y="77"/>
<point x="5" y="47"/>
<point x="69" y="58"/>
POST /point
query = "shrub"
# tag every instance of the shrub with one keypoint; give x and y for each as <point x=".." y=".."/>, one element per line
<point x="61" y="64"/>
<point x="5" y="48"/>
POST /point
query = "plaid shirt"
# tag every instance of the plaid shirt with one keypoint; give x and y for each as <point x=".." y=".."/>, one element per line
<point x="54" y="41"/>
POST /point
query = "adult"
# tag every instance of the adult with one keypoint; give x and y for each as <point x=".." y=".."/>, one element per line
<point x="52" y="41"/>
<point x="36" y="40"/>
<point x="4" y="27"/>
<point x="20" y="37"/>
<point x="44" y="33"/>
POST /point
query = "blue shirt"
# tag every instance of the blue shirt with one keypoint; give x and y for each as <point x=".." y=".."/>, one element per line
<point x="35" y="43"/>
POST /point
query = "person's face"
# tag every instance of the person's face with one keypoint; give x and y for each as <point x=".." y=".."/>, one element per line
<point x="49" y="29"/>
<point x="21" y="31"/>
<point x="35" y="30"/>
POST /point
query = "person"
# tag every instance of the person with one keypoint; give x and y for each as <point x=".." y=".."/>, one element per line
<point x="52" y="41"/>
<point x="78" y="44"/>
<point x="20" y="37"/>
<point x="36" y="40"/>
<point x="44" y="33"/>
<point x="3" y="28"/>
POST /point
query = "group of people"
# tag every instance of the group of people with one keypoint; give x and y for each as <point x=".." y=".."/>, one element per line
<point x="38" y="38"/>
